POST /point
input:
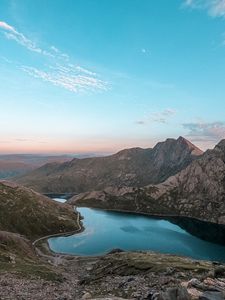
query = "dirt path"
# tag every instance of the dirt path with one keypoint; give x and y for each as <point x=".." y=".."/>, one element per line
<point x="56" y="258"/>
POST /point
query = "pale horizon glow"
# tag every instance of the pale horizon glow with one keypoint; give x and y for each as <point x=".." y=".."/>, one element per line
<point x="97" y="77"/>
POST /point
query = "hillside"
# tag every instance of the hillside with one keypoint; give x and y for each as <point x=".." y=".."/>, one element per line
<point x="197" y="191"/>
<point x="26" y="212"/>
<point x="25" y="216"/>
<point x="130" y="167"/>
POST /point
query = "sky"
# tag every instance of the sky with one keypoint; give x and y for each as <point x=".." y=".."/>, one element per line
<point x="103" y="75"/>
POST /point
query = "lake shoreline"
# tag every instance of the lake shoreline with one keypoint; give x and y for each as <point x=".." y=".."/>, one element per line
<point x="171" y="218"/>
<point x="147" y="235"/>
<point x="178" y="220"/>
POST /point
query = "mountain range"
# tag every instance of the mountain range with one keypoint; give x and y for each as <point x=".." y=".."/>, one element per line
<point x="12" y="165"/>
<point x="130" y="167"/>
<point x="197" y="191"/>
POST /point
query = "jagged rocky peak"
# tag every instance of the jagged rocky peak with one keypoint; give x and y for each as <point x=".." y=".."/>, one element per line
<point x="194" y="149"/>
<point x="181" y="142"/>
<point x="221" y="145"/>
<point x="175" y="150"/>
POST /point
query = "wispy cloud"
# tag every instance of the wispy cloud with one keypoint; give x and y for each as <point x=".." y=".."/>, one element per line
<point x="215" y="8"/>
<point x="12" y="34"/>
<point x="60" y="71"/>
<point x="67" y="78"/>
<point x="6" y="26"/>
<point x="203" y="131"/>
<point x="158" y="117"/>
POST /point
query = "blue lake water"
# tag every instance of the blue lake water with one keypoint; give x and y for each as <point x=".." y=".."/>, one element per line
<point x="105" y="230"/>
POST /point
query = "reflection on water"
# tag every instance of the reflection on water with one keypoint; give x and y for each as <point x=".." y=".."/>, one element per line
<point x="105" y="231"/>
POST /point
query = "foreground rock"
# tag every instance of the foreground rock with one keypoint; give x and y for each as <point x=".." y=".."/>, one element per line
<point x="198" y="191"/>
<point x="123" y="275"/>
<point x="130" y="167"/>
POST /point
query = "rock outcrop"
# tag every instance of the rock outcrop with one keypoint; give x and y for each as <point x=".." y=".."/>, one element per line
<point x="131" y="167"/>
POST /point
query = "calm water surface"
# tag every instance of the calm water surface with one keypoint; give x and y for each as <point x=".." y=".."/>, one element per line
<point x="105" y="231"/>
<point x="61" y="200"/>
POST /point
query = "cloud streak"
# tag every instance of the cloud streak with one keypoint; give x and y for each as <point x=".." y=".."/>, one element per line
<point x="67" y="79"/>
<point x="12" y="34"/>
<point x="62" y="72"/>
<point x="203" y="131"/>
<point x="158" y="117"/>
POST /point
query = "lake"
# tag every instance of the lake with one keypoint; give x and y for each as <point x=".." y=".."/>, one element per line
<point x="107" y="230"/>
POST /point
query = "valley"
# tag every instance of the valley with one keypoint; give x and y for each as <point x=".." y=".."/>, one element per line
<point x="92" y="254"/>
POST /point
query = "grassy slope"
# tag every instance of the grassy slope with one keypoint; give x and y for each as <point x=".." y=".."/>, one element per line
<point x="28" y="213"/>
<point x="24" y="216"/>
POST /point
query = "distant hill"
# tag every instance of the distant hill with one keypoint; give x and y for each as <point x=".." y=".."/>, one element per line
<point x="18" y="164"/>
<point x="130" y="167"/>
<point x="196" y="191"/>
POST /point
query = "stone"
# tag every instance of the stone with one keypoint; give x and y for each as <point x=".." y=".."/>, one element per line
<point x="194" y="282"/>
<point x="116" y="250"/>
<point x="176" y="293"/>
<point x="212" y="296"/>
<point x="86" y="295"/>
<point x="219" y="271"/>
<point x="194" y="293"/>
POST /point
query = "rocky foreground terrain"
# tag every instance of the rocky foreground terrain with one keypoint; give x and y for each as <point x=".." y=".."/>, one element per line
<point x="121" y="275"/>
<point x="197" y="191"/>
<point x="131" y="167"/>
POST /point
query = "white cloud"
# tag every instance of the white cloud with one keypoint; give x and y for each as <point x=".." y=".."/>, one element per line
<point x="203" y="131"/>
<point x="6" y="26"/>
<point x="215" y="8"/>
<point x="83" y="70"/>
<point x="64" y="77"/>
<point x="158" y="117"/>
<point x="60" y="71"/>
<point x="56" y="50"/>
<point x="12" y="34"/>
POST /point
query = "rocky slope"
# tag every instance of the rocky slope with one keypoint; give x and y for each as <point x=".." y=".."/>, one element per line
<point x="130" y="167"/>
<point x="197" y="191"/>
<point x="122" y="275"/>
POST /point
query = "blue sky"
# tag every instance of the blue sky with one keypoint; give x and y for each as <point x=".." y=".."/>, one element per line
<point x="97" y="75"/>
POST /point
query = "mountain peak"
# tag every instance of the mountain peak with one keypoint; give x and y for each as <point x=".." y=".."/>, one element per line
<point x="195" y="150"/>
<point x="180" y="143"/>
<point x="221" y="145"/>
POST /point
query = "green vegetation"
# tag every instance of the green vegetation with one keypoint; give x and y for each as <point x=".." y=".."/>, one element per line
<point x="28" y="213"/>
<point x="25" y="216"/>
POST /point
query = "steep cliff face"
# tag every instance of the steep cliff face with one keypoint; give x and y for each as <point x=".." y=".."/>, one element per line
<point x="131" y="167"/>
<point x="197" y="191"/>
